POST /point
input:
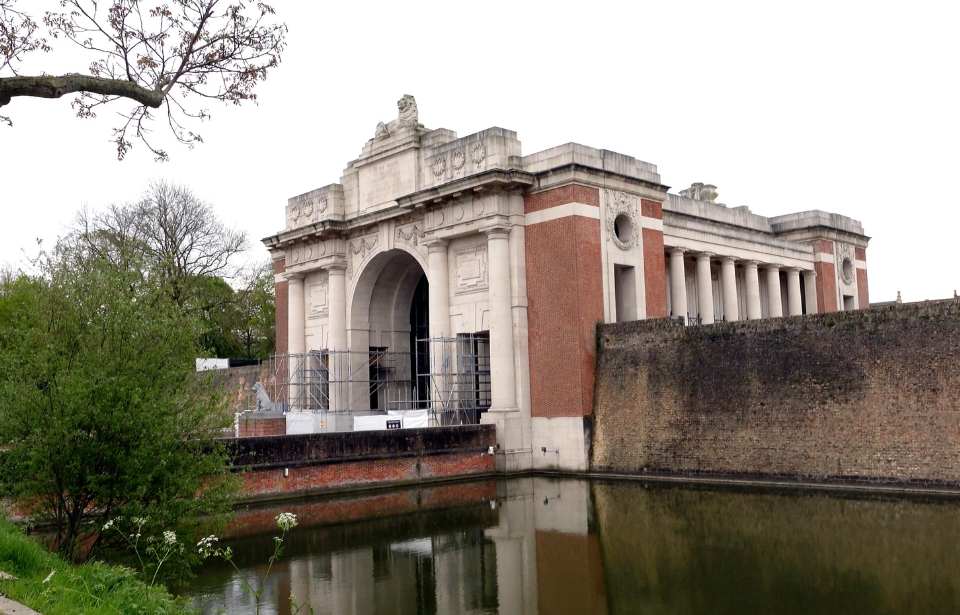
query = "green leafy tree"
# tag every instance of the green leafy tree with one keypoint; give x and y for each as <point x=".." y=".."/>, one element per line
<point x="100" y="414"/>
<point x="255" y="326"/>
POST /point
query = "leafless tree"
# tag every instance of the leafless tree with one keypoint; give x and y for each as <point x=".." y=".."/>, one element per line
<point x="146" y="52"/>
<point x="171" y="227"/>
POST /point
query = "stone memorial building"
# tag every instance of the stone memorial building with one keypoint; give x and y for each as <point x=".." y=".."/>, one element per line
<point x="450" y="279"/>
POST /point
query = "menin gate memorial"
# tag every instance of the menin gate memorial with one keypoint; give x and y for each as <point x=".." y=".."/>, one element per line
<point x="450" y="279"/>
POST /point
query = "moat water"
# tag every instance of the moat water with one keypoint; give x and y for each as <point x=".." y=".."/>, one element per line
<point x="558" y="547"/>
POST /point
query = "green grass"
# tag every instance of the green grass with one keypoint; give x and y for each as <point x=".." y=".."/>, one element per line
<point x="89" y="589"/>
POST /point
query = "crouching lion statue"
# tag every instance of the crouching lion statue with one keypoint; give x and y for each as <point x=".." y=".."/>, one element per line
<point x="263" y="400"/>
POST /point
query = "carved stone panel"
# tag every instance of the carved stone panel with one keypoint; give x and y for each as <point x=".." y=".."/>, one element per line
<point x="319" y="305"/>
<point x="411" y="233"/>
<point x="622" y="219"/>
<point x="471" y="268"/>
<point x="358" y="249"/>
<point x="846" y="266"/>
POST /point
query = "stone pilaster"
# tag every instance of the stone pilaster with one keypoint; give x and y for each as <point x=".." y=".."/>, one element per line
<point x="810" y="289"/>
<point x="439" y="288"/>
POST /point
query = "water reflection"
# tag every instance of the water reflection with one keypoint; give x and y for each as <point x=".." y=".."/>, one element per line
<point x="534" y="545"/>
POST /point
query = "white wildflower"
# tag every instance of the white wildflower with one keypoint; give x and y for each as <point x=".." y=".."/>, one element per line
<point x="169" y="538"/>
<point x="108" y="525"/>
<point x="140" y="520"/>
<point x="286" y="521"/>
<point x="49" y="576"/>
<point x="205" y="546"/>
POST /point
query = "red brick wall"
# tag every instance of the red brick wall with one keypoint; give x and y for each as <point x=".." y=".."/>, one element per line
<point x="654" y="262"/>
<point x="651" y="209"/>
<point x="826" y="287"/>
<point x="861" y="254"/>
<point x="862" y="290"/>
<point x="262" y="427"/>
<point x="654" y="273"/>
<point x="281" y="302"/>
<point x="302" y="480"/>
<point x="574" y="193"/>
<point x="565" y="302"/>
<point x="822" y="246"/>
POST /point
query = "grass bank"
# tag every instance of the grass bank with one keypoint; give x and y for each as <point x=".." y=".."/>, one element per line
<point x="51" y="586"/>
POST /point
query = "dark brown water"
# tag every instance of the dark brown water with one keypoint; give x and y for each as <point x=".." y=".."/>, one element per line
<point x="564" y="547"/>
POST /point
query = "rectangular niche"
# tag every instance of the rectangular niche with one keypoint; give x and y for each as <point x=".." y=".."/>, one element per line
<point x="319" y="303"/>
<point x="471" y="269"/>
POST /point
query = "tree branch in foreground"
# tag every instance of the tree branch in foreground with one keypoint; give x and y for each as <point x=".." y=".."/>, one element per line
<point x="55" y="87"/>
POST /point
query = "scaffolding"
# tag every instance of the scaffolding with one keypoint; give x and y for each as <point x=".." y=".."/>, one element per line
<point x="447" y="377"/>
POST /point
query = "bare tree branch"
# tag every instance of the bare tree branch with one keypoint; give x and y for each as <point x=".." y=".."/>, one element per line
<point x="145" y="51"/>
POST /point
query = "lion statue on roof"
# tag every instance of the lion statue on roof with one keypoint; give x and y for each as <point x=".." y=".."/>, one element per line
<point x="407" y="116"/>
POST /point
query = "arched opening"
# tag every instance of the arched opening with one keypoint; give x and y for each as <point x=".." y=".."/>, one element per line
<point x="389" y="317"/>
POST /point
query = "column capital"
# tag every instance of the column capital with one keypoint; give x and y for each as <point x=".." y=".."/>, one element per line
<point x="436" y="245"/>
<point x="728" y="259"/>
<point x="499" y="231"/>
<point x="810" y="273"/>
<point x="335" y="268"/>
<point x="293" y="276"/>
<point x="704" y="255"/>
<point x="752" y="263"/>
<point x="676" y="250"/>
<point x="772" y="266"/>
<point x="793" y="269"/>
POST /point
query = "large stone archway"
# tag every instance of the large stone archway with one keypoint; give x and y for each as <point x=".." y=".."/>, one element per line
<point x="379" y="321"/>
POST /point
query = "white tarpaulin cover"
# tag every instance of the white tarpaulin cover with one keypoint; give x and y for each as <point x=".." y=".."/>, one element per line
<point x="412" y="418"/>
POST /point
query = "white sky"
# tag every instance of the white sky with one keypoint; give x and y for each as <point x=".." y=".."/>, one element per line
<point x="848" y="107"/>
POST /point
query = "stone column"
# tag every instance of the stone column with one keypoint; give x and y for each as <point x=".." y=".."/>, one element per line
<point x="704" y="288"/>
<point x="810" y="290"/>
<point x="728" y="284"/>
<point x="439" y="288"/>
<point x="753" y="290"/>
<point x="296" y="342"/>
<point x="773" y="291"/>
<point x="502" y="377"/>
<point x="338" y="364"/>
<point x="794" y="303"/>
<point x="678" y="284"/>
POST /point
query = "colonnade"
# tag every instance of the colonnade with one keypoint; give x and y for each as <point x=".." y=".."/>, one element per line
<point x="728" y="287"/>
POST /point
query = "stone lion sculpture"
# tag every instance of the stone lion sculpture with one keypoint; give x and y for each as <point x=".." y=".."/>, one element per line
<point x="263" y="400"/>
<point x="408" y="116"/>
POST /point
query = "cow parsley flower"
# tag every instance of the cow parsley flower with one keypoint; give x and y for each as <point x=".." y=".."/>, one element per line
<point x="49" y="576"/>
<point x="170" y="538"/>
<point x="205" y="546"/>
<point x="286" y="521"/>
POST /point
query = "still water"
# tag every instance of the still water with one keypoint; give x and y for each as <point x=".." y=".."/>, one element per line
<point x="559" y="547"/>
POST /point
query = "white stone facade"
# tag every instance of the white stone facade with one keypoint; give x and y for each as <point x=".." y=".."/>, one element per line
<point x="472" y="215"/>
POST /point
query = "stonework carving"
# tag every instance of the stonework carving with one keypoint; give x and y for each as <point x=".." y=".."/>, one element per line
<point x="307" y="209"/>
<point x="458" y="159"/>
<point x="439" y="166"/>
<point x="358" y="249"/>
<point x="295" y="212"/>
<point x="471" y="268"/>
<point x="845" y="262"/>
<point x="479" y="153"/>
<point x="622" y="204"/>
<point x="410" y="233"/>
<point x="408" y="116"/>
<point x="701" y="192"/>
<point x="319" y="305"/>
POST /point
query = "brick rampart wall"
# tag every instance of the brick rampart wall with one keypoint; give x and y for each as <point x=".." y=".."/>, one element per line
<point x="565" y="301"/>
<point x="253" y="426"/>
<point x="317" y="462"/>
<point x="863" y="395"/>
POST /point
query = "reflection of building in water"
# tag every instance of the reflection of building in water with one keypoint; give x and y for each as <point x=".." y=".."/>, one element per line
<point x="538" y="556"/>
<point x="457" y="277"/>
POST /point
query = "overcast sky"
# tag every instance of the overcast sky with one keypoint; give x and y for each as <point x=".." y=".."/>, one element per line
<point x="847" y="107"/>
